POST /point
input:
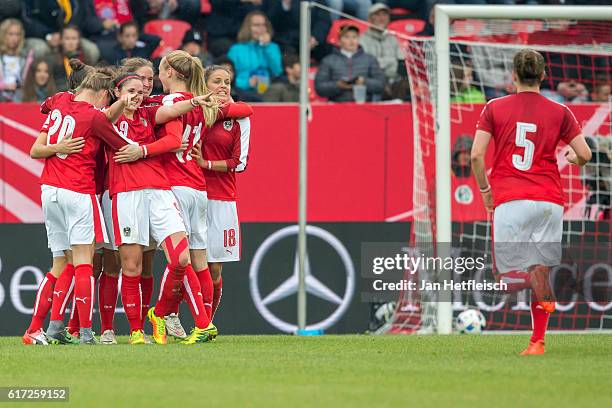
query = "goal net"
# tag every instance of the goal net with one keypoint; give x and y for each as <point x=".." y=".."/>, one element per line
<point x="578" y="55"/>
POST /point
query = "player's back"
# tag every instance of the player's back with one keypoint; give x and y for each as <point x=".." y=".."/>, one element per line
<point x="527" y="128"/>
<point x="70" y="118"/>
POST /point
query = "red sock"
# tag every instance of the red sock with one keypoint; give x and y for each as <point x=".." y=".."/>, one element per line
<point x="44" y="299"/>
<point x="516" y="281"/>
<point x="73" y="323"/>
<point x="539" y="320"/>
<point x="62" y="292"/>
<point x="206" y="284"/>
<point x="170" y="291"/>
<point x="146" y="286"/>
<point x="217" y="292"/>
<point x="84" y="293"/>
<point x="193" y="297"/>
<point x="108" y="292"/>
<point x="132" y="300"/>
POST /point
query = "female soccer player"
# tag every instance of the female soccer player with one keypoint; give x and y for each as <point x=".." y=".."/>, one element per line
<point x="72" y="214"/>
<point x="182" y="76"/>
<point x="223" y="152"/>
<point x="143" y="206"/>
<point x="525" y="191"/>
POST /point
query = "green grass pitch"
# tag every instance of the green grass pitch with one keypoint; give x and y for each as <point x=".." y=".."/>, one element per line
<point x="336" y="371"/>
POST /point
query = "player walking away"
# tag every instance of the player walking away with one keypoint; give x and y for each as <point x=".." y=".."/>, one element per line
<point x="525" y="191"/>
<point x="71" y="210"/>
<point x="223" y="152"/>
<point x="182" y="76"/>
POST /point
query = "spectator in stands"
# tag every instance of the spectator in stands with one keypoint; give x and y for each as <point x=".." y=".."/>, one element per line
<point x="187" y="10"/>
<point x="462" y="90"/>
<point x="256" y="58"/>
<point x="236" y="93"/>
<point x="461" y="164"/>
<point x="70" y="47"/>
<point x="601" y="92"/>
<point x="285" y="18"/>
<point x="194" y="45"/>
<point x="384" y="46"/>
<point x="357" y="8"/>
<point x="347" y="66"/>
<point x="128" y="45"/>
<point x="39" y="83"/>
<point x="43" y="20"/>
<point x="223" y="23"/>
<point x="597" y="178"/>
<point x="287" y="89"/>
<point x="14" y="59"/>
<point x="572" y="91"/>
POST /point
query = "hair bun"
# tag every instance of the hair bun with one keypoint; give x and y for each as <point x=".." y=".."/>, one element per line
<point x="76" y="64"/>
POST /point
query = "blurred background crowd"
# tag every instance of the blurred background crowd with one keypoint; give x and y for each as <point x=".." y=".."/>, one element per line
<point x="257" y="39"/>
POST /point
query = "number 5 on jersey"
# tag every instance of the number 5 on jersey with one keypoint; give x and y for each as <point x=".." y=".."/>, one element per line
<point x="524" y="162"/>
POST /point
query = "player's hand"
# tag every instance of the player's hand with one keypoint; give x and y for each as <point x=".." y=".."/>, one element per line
<point x="128" y="153"/>
<point x="184" y="146"/>
<point x="487" y="199"/>
<point x="129" y="101"/>
<point x="205" y="100"/>
<point x="344" y="85"/>
<point x="571" y="156"/>
<point x="70" y="146"/>
<point x="196" y="153"/>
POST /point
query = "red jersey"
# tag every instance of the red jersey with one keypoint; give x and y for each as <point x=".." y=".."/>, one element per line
<point x="526" y="128"/>
<point x="226" y="140"/>
<point x="181" y="169"/>
<point x="76" y="172"/>
<point x="143" y="173"/>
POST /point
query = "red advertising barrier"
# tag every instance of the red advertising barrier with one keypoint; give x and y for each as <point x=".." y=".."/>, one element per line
<point x="360" y="161"/>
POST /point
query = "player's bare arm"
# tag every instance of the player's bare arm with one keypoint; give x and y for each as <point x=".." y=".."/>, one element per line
<point x="579" y="152"/>
<point x="40" y="149"/>
<point x="169" y="112"/>
<point x="114" y="112"/>
<point x="479" y="149"/>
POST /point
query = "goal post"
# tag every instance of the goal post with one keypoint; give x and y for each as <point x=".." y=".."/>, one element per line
<point x="441" y="104"/>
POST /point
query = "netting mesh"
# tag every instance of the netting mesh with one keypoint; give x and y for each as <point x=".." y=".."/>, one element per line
<point x="578" y="56"/>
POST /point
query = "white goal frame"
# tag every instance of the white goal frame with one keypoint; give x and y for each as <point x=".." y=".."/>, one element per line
<point x="444" y="14"/>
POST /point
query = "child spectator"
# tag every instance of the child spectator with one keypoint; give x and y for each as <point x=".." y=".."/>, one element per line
<point x="256" y="58"/>
<point x="14" y="59"/>
<point x="287" y="89"/>
<point x="39" y="83"/>
<point x="462" y="90"/>
<point x="194" y="45"/>
<point x="347" y="66"/>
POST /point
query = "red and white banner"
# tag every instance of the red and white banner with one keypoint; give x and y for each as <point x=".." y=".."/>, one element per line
<point x="360" y="161"/>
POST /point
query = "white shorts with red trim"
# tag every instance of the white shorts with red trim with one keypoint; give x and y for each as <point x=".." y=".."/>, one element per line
<point x="107" y="210"/>
<point x="193" y="205"/>
<point x="142" y="215"/>
<point x="224" y="238"/>
<point x="71" y="218"/>
<point x="527" y="233"/>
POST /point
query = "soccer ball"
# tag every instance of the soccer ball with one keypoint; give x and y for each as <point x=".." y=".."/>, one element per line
<point x="470" y="321"/>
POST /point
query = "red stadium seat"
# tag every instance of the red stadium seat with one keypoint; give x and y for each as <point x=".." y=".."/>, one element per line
<point x="468" y="28"/>
<point x="312" y="94"/>
<point x="171" y="33"/>
<point x="332" y="36"/>
<point x="205" y="6"/>
<point x="399" y="11"/>
<point x="407" y="26"/>
<point x="527" y="26"/>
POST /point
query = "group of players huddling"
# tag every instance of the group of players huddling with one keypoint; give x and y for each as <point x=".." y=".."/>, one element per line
<point x="121" y="180"/>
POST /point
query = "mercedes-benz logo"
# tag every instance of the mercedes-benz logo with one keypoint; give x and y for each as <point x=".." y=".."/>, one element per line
<point x="313" y="286"/>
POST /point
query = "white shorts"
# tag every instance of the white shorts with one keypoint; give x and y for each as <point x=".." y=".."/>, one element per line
<point x="527" y="233"/>
<point x="107" y="210"/>
<point x="71" y="218"/>
<point x="193" y="204"/>
<point x="224" y="240"/>
<point x="142" y="215"/>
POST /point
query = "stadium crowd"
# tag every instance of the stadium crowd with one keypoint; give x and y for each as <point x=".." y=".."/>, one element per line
<point x="256" y="39"/>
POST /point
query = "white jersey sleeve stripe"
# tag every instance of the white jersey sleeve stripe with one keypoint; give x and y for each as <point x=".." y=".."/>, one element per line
<point x="245" y="136"/>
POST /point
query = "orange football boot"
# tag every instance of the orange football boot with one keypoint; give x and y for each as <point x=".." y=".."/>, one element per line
<point x="534" y="348"/>
<point x="541" y="288"/>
